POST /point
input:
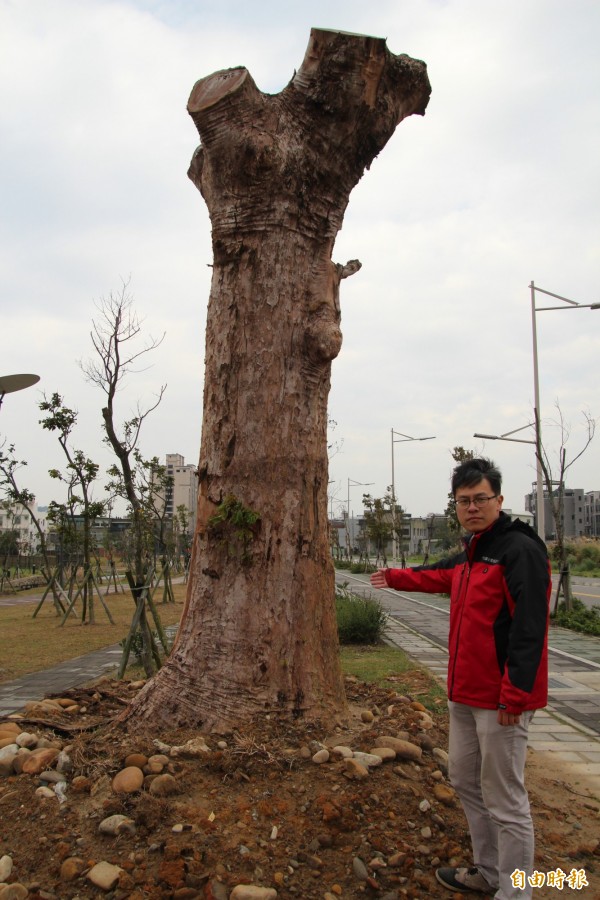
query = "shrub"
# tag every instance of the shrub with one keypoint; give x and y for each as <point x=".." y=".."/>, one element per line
<point x="583" y="556"/>
<point x="359" y="568"/>
<point x="360" y="620"/>
<point x="580" y="618"/>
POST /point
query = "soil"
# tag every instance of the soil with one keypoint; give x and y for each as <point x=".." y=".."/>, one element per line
<point x="256" y="809"/>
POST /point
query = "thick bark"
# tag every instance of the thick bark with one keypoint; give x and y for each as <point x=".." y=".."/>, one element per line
<point x="258" y="634"/>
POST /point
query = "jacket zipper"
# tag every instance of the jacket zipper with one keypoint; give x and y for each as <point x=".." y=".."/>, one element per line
<point x="469" y="553"/>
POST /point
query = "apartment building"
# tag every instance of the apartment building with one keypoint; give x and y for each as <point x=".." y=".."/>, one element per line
<point x="591" y="513"/>
<point x="184" y="490"/>
<point x="13" y="517"/>
<point x="573" y="512"/>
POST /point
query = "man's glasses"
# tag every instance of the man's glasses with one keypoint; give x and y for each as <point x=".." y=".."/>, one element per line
<point x="479" y="501"/>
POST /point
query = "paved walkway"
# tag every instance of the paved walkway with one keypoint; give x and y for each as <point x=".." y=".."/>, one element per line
<point x="69" y="674"/>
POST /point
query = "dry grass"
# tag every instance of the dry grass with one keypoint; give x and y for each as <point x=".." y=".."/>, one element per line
<point x="30" y="645"/>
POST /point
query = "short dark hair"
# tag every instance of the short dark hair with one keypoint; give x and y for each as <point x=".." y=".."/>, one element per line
<point x="471" y="471"/>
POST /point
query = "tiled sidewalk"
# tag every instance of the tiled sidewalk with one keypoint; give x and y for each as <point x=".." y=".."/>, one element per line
<point x="569" y="727"/>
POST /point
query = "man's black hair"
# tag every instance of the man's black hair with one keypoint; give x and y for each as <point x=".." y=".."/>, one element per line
<point x="471" y="471"/>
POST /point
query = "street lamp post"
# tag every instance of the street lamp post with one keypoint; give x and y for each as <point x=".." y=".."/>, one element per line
<point x="571" y="304"/>
<point x="539" y="517"/>
<point x="10" y="383"/>
<point x="350" y="537"/>
<point x="402" y="438"/>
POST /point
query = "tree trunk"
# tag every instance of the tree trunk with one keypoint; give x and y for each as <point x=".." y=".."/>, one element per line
<point x="258" y="633"/>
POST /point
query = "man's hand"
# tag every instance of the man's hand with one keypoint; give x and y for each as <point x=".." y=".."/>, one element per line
<point x="378" y="579"/>
<point x="506" y="718"/>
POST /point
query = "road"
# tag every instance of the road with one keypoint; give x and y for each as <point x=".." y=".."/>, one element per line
<point x="585" y="589"/>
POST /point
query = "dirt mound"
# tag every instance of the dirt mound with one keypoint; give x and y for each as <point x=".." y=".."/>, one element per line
<point x="256" y="808"/>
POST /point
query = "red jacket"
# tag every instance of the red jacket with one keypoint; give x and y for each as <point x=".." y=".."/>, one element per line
<point x="499" y="590"/>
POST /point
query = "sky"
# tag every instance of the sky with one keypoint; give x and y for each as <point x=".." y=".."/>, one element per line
<point x="497" y="186"/>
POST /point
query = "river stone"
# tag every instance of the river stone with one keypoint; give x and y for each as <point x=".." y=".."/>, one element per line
<point x="344" y="752"/>
<point x="64" y="763"/>
<point x="19" y="759"/>
<point x="10" y="728"/>
<point x="51" y="776"/>
<point x="156" y="764"/>
<point x="384" y="753"/>
<point x="444" y="793"/>
<point x="359" y="868"/>
<point x="46" y="742"/>
<point x="7" y="741"/>
<point x="45" y="793"/>
<point x="252" y="892"/>
<point x="6" y="865"/>
<point x="72" y="868"/>
<point x="26" y="739"/>
<point x="15" y="891"/>
<point x="8" y="755"/>
<point x="192" y="748"/>
<point x="81" y="784"/>
<point x="403" y="749"/>
<point x="136" y="759"/>
<point x="38" y="760"/>
<point x="164" y="786"/>
<point x="116" y="824"/>
<point x="425" y="721"/>
<point x="321" y="756"/>
<point x="128" y="780"/>
<point x="355" y="769"/>
<point x="216" y="890"/>
<point x="370" y="760"/>
<point x="104" y="875"/>
<point x="8" y="749"/>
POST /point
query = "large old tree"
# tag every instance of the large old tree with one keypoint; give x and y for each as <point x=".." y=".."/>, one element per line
<point x="258" y="633"/>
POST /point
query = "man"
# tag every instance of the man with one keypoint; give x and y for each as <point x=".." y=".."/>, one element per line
<point x="499" y="590"/>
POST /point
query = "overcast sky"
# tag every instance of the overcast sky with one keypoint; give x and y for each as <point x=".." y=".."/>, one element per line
<point x="496" y="186"/>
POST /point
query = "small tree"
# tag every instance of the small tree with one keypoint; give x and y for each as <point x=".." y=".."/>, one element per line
<point x="14" y="494"/>
<point x="79" y="478"/>
<point x="398" y="523"/>
<point x="459" y="455"/>
<point x="378" y="526"/>
<point x="114" y="337"/>
<point x="555" y="489"/>
<point x="430" y="525"/>
<point x="182" y="530"/>
<point x="9" y="545"/>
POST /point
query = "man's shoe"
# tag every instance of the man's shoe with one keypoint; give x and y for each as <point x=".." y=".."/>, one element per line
<point x="463" y="879"/>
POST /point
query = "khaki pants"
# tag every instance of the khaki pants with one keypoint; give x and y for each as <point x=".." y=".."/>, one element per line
<point x="486" y="768"/>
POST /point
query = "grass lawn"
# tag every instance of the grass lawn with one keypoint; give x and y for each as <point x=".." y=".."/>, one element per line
<point x="390" y="667"/>
<point x="29" y="645"/>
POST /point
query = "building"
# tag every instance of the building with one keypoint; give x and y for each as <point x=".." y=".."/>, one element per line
<point x="424" y="531"/>
<point x="573" y="512"/>
<point x="184" y="490"/>
<point x="104" y="532"/>
<point x="526" y="516"/>
<point x="13" y="517"/>
<point x="591" y="513"/>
